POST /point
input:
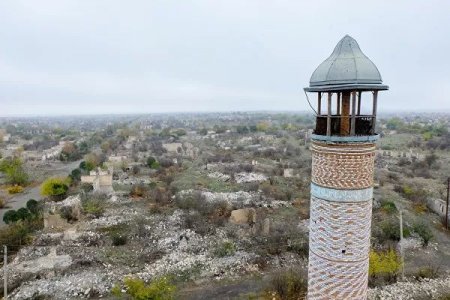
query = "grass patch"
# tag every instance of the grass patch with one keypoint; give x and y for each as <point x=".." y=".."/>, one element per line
<point x="388" y="206"/>
<point x="195" y="179"/>
<point x="287" y="285"/>
<point x="227" y="248"/>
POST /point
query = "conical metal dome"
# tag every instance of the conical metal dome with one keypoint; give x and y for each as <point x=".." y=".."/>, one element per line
<point x="346" y="68"/>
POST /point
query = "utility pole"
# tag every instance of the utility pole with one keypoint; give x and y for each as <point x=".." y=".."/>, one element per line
<point x="401" y="245"/>
<point x="446" y="206"/>
<point x="5" y="272"/>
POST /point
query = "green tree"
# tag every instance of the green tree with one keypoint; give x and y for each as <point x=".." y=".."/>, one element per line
<point x="55" y="188"/>
<point x="87" y="166"/>
<point x="424" y="231"/>
<point x="12" y="167"/>
<point x="75" y="175"/>
<point x="23" y="213"/>
<point x="10" y="217"/>
<point x="33" y="206"/>
<point x="158" y="289"/>
<point x="150" y="161"/>
<point x="155" y="165"/>
<point x="385" y="264"/>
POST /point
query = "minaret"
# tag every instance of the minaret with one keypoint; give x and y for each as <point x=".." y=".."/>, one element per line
<point x="343" y="151"/>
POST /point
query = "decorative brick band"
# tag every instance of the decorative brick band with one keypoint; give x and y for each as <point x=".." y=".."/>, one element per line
<point x="341" y="212"/>
<point x="343" y="166"/>
<point x="341" y="195"/>
<point x="336" y="280"/>
<point x="340" y="231"/>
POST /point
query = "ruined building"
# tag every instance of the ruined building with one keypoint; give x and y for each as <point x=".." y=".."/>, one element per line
<point x="343" y="151"/>
<point x="101" y="180"/>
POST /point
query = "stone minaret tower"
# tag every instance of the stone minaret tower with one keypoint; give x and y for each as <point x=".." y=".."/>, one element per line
<point x="343" y="151"/>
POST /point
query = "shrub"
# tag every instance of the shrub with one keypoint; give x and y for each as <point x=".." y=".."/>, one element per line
<point x="155" y="165"/>
<point x="55" y="188"/>
<point x="118" y="239"/>
<point x="33" y="206"/>
<point x="10" y="217"/>
<point x="150" y="161"/>
<point x="424" y="231"/>
<point x="161" y="195"/>
<point x="93" y="206"/>
<point x="15" y="189"/>
<point x="14" y="171"/>
<point x="86" y="187"/>
<point x="218" y="212"/>
<point x="194" y="201"/>
<point x="420" y="208"/>
<point x="288" y="285"/>
<point x="135" y="170"/>
<point x="415" y="194"/>
<point x="388" y="206"/>
<point x="384" y="265"/>
<point x="66" y="212"/>
<point x="139" y="190"/>
<point x="23" y="213"/>
<point x="75" y="175"/>
<point x="389" y="230"/>
<point x="225" y="249"/>
<point x="198" y="223"/>
<point x="158" y="289"/>
<point x="280" y="239"/>
<point x="2" y="203"/>
<point x="16" y="235"/>
<point x="428" y="272"/>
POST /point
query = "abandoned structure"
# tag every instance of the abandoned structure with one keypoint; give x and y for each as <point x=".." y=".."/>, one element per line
<point x="101" y="180"/>
<point x="343" y="151"/>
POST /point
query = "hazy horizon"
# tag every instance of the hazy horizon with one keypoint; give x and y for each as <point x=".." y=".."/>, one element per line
<point x="103" y="57"/>
<point x="56" y="115"/>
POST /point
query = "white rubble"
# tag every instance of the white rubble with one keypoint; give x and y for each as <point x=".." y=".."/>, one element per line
<point x="249" y="177"/>
<point x="80" y="285"/>
<point x="219" y="176"/>
<point x="409" y="290"/>
<point x="50" y="261"/>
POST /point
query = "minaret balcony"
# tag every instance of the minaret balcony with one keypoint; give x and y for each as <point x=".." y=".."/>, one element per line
<point x="364" y="125"/>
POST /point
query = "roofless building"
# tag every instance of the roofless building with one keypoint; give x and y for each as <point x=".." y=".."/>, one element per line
<point x="343" y="151"/>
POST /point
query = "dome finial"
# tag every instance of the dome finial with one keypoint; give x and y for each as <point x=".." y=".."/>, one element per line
<point x="346" y="66"/>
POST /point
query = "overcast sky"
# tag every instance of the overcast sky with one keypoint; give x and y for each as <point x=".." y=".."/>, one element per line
<point x="92" y="56"/>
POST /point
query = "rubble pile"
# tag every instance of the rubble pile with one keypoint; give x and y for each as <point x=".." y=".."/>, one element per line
<point x="406" y="290"/>
<point x="249" y="177"/>
<point x="219" y="176"/>
<point x="80" y="285"/>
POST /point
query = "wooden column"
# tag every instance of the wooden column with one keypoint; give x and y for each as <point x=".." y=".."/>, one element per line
<point x="359" y="103"/>
<point x="353" y="125"/>
<point x="338" y="109"/>
<point x="329" y="114"/>
<point x="374" y="112"/>
<point x="319" y="103"/>
<point x="345" y="112"/>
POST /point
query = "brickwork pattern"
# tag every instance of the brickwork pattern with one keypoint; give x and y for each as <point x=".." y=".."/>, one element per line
<point x="337" y="280"/>
<point x="339" y="237"/>
<point x="340" y="230"/>
<point x="343" y="167"/>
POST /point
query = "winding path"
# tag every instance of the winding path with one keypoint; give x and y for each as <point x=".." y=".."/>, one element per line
<point x="21" y="199"/>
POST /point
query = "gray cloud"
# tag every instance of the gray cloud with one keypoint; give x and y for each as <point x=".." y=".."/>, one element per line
<point x="67" y="57"/>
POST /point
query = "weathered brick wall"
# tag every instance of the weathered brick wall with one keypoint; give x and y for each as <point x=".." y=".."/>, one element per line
<point x="341" y="212"/>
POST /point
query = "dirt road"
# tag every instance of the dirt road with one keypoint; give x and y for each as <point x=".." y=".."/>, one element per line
<point x="21" y="199"/>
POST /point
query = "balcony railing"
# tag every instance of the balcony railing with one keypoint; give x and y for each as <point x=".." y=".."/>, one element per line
<point x="364" y="125"/>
